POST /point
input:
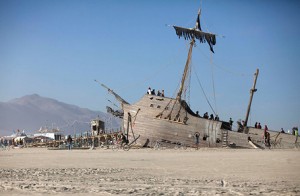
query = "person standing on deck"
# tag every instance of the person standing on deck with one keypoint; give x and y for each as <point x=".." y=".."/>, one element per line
<point x="259" y="126"/>
<point x="158" y="93"/>
<point x="149" y="91"/>
<point x="266" y="133"/>
<point x="230" y="123"/>
<point x="217" y="117"/>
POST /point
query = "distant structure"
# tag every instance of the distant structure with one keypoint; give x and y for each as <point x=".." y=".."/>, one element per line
<point x="54" y="134"/>
<point x="97" y="127"/>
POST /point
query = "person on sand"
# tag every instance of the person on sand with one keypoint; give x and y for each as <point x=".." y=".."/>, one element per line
<point x="124" y="139"/>
<point x="69" y="141"/>
<point x="197" y="142"/>
<point x="296" y="134"/>
<point x="265" y="130"/>
<point x="267" y="139"/>
<point x="267" y="136"/>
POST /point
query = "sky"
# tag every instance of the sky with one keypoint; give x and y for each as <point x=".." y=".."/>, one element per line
<point x="57" y="48"/>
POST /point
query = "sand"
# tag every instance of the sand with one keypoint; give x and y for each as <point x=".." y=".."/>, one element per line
<point x="38" y="171"/>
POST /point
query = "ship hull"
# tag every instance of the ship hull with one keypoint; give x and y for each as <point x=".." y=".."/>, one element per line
<point x="153" y="119"/>
<point x="142" y="120"/>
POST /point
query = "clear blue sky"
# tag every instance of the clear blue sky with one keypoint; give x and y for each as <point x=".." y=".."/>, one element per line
<point x="57" y="48"/>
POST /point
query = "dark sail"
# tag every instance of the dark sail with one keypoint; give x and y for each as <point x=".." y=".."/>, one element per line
<point x="196" y="33"/>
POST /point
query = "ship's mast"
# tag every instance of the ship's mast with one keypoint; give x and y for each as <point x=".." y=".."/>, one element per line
<point x="192" y="34"/>
<point x="252" y="91"/>
<point x="186" y="68"/>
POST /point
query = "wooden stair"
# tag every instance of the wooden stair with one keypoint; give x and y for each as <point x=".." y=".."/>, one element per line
<point x="224" y="138"/>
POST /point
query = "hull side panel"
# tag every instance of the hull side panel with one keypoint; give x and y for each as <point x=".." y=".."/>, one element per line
<point x="150" y="127"/>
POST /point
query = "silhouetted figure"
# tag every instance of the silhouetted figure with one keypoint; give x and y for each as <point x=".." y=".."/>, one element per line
<point x="217" y="118"/>
<point x="69" y="141"/>
<point x="124" y="139"/>
<point x="265" y="130"/>
<point x="153" y="92"/>
<point x="259" y="126"/>
<point x="230" y="123"/>
<point x="267" y="139"/>
<point x="158" y="93"/>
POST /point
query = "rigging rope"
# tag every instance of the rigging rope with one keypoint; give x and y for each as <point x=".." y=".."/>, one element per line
<point x="189" y="86"/>
<point x="224" y="69"/>
<point x="204" y="93"/>
<point x="154" y="74"/>
<point x="213" y="80"/>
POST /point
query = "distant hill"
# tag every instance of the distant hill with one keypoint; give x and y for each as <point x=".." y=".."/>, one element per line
<point x="32" y="112"/>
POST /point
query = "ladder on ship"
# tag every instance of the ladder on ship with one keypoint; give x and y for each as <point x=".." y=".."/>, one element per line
<point x="224" y="138"/>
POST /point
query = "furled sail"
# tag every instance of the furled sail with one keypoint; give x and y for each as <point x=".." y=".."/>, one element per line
<point x="196" y="33"/>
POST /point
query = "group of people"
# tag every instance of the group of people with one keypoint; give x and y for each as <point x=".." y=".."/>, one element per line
<point x="152" y="92"/>
<point x="294" y="131"/>
<point x="211" y="117"/>
<point x="258" y="125"/>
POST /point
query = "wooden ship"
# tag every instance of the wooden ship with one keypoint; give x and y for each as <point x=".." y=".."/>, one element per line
<point x="170" y="120"/>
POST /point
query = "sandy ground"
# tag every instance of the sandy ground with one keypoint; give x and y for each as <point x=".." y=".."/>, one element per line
<point x="38" y="171"/>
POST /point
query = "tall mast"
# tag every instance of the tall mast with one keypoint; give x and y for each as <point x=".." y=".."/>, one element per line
<point x="252" y="91"/>
<point x="193" y="34"/>
<point x="186" y="68"/>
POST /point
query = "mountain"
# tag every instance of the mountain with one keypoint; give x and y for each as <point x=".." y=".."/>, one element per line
<point x="32" y="112"/>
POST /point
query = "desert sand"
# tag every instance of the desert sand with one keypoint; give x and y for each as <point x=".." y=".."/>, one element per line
<point x="38" y="171"/>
